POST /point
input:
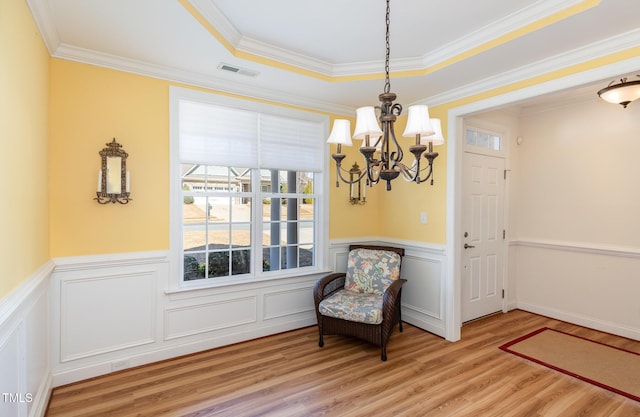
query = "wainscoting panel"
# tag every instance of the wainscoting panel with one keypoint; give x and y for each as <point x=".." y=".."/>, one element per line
<point x="36" y="348"/>
<point x="105" y="313"/>
<point x="423" y="294"/>
<point x="208" y="317"/>
<point x="12" y="371"/>
<point x="104" y="309"/>
<point x="25" y="372"/>
<point x="114" y="312"/>
<point x="289" y="302"/>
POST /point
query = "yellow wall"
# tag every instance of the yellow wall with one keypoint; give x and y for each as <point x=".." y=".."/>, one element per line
<point x="400" y="208"/>
<point x="91" y="105"/>
<point x="347" y="220"/>
<point x="24" y="74"/>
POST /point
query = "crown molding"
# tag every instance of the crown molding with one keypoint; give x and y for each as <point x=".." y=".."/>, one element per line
<point x="451" y="52"/>
<point x="590" y="52"/>
<point x="42" y="16"/>
<point x="496" y="30"/>
<point x="215" y="17"/>
<point x="86" y="56"/>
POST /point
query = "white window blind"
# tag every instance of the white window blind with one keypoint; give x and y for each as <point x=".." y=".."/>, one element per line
<point x="217" y="135"/>
<point x="291" y="144"/>
<point x="227" y="136"/>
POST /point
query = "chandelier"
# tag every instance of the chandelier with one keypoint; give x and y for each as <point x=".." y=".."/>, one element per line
<point x="382" y="153"/>
<point x="622" y="93"/>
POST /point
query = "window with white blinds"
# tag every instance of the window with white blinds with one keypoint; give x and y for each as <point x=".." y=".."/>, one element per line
<point x="247" y="190"/>
<point x="218" y="135"/>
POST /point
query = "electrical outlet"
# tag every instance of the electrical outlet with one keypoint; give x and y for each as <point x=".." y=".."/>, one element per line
<point x="423" y="217"/>
<point x="120" y="365"/>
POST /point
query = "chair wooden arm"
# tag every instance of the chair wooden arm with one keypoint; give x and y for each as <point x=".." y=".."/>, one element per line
<point x="328" y="285"/>
<point x="392" y="293"/>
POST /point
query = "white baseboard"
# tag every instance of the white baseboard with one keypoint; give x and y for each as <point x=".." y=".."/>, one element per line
<point x="41" y="398"/>
<point x="425" y="323"/>
<point x="590" y="322"/>
<point x="173" y="351"/>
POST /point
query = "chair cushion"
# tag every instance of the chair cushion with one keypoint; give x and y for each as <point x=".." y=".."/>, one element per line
<point x="371" y="271"/>
<point x="353" y="306"/>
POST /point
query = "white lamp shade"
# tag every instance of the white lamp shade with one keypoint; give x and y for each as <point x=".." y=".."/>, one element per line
<point x="341" y="132"/>
<point x="366" y="123"/>
<point x="418" y="122"/>
<point x="436" y="138"/>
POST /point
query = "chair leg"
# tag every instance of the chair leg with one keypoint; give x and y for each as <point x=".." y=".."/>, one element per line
<point x="384" y="354"/>
<point x="320" y="341"/>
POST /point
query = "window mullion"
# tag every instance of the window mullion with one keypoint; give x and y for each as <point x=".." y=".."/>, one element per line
<point x="256" y="221"/>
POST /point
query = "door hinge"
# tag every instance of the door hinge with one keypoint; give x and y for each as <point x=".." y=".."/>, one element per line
<point x="505" y="174"/>
<point x="503" y="293"/>
<point x="504" y="234"/>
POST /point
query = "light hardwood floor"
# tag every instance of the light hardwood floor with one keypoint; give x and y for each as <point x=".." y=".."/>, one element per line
<point x="289" y="375"/>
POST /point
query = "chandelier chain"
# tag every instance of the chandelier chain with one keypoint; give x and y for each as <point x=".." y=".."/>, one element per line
<point x="387" y="82"/>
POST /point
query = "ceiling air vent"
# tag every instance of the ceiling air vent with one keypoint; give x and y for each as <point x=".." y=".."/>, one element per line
<point x="237" y="70"/>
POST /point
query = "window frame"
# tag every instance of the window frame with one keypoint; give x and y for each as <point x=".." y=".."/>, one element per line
<point x="321" y="196"/>
<point x="487" y="128"/>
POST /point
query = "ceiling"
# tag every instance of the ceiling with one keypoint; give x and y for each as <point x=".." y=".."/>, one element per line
<point x="329" y="55"/>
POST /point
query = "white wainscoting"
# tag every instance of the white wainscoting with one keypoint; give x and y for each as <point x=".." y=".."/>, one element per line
<point x="423" y="266"/>
<point x="116" y="311"/>
<point x="589" y="285"/>
<point x="25" y="373"/>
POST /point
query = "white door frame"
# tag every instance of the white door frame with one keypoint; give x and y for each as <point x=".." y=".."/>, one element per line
<point x="455" y="135"/>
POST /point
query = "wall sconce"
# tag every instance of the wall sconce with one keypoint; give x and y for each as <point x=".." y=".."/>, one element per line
<point x="113" y="177"/>
<point x="357" y="192"/>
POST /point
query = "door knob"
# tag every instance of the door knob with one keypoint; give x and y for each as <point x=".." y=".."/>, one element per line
<point x="467" y="246"/>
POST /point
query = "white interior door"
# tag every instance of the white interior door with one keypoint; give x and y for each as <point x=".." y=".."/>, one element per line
<point x="483" y="235"/>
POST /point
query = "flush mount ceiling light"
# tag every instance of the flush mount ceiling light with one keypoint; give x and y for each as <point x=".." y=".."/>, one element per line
<point x="380" y="148"/>
<point x="621" y="93"/>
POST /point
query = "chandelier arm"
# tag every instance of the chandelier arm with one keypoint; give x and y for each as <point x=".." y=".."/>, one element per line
<point x="429" y="175"/>
<point x="339" y="170"/>
<point x="360" y="177"/>
<point x="399" y="152"/>
<point x="409" y="174"/>
<point x="373" y="174"/>
<point x="412" y="174"/>
<point x="430" y="156"/>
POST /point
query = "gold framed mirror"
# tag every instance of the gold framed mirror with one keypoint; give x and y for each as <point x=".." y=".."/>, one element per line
<point x="113" y="177"/>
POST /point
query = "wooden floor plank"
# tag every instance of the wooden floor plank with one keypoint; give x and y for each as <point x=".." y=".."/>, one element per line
<point x="289" y="375"/>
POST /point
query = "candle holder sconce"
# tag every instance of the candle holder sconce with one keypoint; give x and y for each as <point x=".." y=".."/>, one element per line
<point x="357" y="190"/>
<point x="113" y="177"/>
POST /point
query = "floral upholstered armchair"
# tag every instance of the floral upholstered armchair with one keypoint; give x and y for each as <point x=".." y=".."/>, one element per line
<point x="364" y="302"/>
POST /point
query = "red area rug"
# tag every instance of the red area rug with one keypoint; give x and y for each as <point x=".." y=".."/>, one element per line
<point x="605" y="366"/>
